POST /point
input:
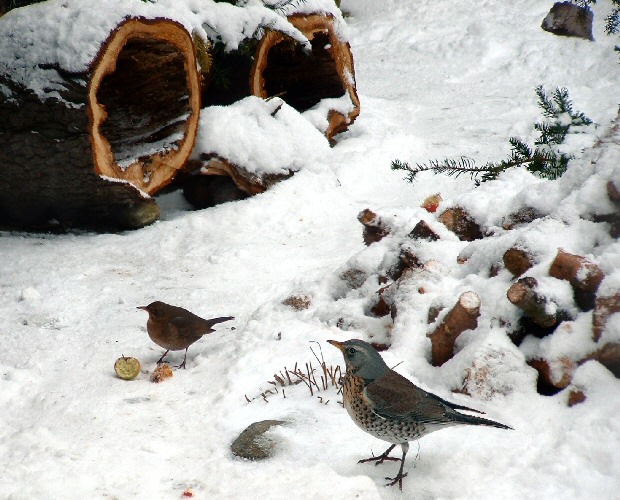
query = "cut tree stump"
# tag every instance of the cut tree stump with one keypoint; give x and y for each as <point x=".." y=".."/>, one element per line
<point x="463" y="316"/>
<point x="91" y="153"/>
<point x="282" y="67"/>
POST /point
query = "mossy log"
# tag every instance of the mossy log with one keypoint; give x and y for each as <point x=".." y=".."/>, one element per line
<point x="91" y="153"/>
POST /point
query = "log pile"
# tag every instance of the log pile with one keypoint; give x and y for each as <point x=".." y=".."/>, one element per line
<point x="91" y="147"/>
<point x="537" y="314"/>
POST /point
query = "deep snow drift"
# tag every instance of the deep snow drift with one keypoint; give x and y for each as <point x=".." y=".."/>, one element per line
<point x="436" y="80"/>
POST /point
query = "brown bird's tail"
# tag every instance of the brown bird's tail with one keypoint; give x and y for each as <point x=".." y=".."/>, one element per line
<point x="470" y="419"/>
<point x="215" y="321"/>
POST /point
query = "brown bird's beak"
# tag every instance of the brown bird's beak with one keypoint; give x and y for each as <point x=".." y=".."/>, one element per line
<point x="337" y="344"/>
<point x="142" y="307"/>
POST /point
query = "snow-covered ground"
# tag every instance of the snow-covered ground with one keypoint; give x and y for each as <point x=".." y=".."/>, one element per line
<point x="436" y="79"/>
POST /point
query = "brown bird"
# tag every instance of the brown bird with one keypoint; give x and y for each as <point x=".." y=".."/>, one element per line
<point x="390" y="407"/>
<point x="175" y="328"/>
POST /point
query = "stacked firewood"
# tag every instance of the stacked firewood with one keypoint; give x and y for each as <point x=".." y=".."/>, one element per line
<point x="538" y="316"/>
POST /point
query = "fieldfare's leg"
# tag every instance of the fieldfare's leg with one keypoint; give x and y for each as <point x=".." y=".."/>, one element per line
<point x="399" y="477"/>
<point x="182" y="365"/>
<point x="381" y="458"/>
<point x="161" y="360"/>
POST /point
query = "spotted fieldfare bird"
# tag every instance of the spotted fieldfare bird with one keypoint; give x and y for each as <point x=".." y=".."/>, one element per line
<point x="390" y="407"/>
<point x="175" y="328"/>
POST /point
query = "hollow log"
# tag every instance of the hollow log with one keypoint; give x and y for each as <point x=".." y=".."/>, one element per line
<point x="463" y="316"/>
<point x="91" y="151"/>
<point x="282" y="67"/>
<point x="460" y="223"/>
<point x="604" y="307"/>
<point x="517" y="261"/>
<point x="523" y="295"/>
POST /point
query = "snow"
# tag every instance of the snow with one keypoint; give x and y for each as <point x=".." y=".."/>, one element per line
<point x="264" y="137"/>
<point x="70" y="33"/>
<point x="435" y="80"/>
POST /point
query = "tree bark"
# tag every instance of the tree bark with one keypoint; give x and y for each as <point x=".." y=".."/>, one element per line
<point x="523" y="295"/>
<point x="604" y="307"/>
<point x="579" y="271"/>
<point x="118" y="133"/>
<point x="517" y="261"/>
<point x="460" y="223"/>
<point x="463" y="316"/>
<point x="282" y="67"/>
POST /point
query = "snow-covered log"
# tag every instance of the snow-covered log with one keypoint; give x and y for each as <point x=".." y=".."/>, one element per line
<point x="320" y="83"/>
<point x="523" y="294"/>
<point x="463" y="316"/>
<point x="95" y="115"/>
<point x="517" y="261"/>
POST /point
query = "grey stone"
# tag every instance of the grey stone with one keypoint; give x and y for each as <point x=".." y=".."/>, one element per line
<point x="252" y="442"/>
<point x="568" y="19"/>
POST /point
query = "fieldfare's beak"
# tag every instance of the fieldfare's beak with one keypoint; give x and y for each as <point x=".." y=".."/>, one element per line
<point x="337" y="344"/>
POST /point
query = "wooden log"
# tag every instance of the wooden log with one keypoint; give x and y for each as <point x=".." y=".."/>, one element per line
<point x="458" y="221"/>
<point x="583" y="275"/>
<point x="609" y="357"/>
<point x="579" y="271"/>
<point x="553" y="375"/>
<point x="517" y="261"/>
<point x="375" y="229"/>
<point x="613" y="192"/>
<point x="521" y="217"/>
<point x="246" y="181"/>
<point x="423" y="231"/>
<point x="523" y="295"/>
<point x="282" y="67"/>
<point x="463" y="316"/>
<point x="604" y="307"/>
<point x="90" y="152"/>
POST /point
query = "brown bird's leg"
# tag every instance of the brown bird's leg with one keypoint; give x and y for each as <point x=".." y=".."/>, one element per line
<point x="399" y="477"/>
<point x="161" y="360"/>
<point x="381" y="458"/>
<point x="182" y="365"/>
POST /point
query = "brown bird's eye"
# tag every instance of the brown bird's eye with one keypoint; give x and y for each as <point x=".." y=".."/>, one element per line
<point x="351" y="351"/>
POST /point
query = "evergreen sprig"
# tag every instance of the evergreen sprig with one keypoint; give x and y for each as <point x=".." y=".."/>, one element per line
<point x="544" y="160"/>
<point x="612" y="20"/>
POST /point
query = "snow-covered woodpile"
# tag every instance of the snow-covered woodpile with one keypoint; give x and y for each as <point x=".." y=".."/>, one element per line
<point x="100" y="108"/>
<point x="561" y="295"/>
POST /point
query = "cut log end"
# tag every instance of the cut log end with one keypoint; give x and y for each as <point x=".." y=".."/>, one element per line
<point x="282" y="67"/>
<point x="144" y="103"/>
<point x="463" y="316"/>
<point x="579" y="271"/>
<point x="523" y="295"/>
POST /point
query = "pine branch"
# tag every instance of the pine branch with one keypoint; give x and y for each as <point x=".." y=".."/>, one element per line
<point x="544" y="160"/>
<point x="447" y="166"/>
<point x="612" y="22"/>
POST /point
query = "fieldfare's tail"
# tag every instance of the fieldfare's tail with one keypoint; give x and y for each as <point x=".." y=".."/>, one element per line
<point x="470" y="419"/>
